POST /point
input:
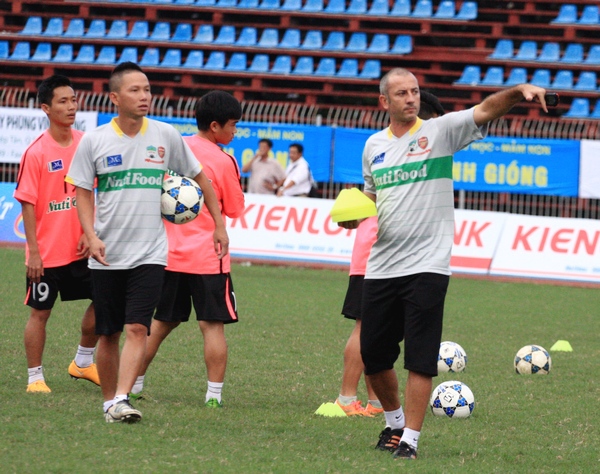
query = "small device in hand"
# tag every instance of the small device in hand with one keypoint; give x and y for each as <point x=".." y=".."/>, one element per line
<point x="552" y="99"/>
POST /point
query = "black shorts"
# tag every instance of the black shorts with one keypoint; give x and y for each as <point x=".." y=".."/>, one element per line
<point x="72" y="281"/>
<point x="213" y="298"/>
<point x="409" y="308"/>
<point x="126" y="297"/>
<point x="353" y="302"/>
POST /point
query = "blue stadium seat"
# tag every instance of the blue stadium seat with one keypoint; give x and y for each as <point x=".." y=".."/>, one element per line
<point x="371" y="69"/>
<point x="379" y="8"/>
<point x="226" y="35"/>
<point x="335" y="41"/>
<point x="573" y="54"/>
<point x="203" y="3"/>
<point x="380" y="43"/>
<point x="75" y="28"/>
<point x="423" y="9"/>
<point x="259" y="64"/>
<point x="150" y="57"/>
<point x="587" y="81"/>
<point x="3" y="49"/>
<point x="247" y="4"/>
<point x="64" y="53"/>
<point x="269" y="38"/>
<point x="402" y="45"/>
<point x="237" y="62"/>
<point x="247" y="37"/>
<point x="205" y="34"/>
<point x="183" y="33"/>
<point x="445" y="10"/>
<point x="596" y="111"/>
<point x="172" y="58"/>
<point x="580" y="108"/>
<point x="54" y="27"/>
<point x="313" y="6"/>
<point x="107" y="55"/>
<point x="401" y="8"/>
<point x="86" y="54"/>
<point x="326" y="67"/>
<point x="527" y="51"/>
<point x="504" y="50"/>
<point x="348" y="68"/>
<point x="566" y="14"/>
<point x="563" y="80"/>
<point x="517" y="75"/>
<point x="129" y="54"/>
<point x="357" y="7"/>
<point x="226" y="3"/>
<point x="43" y="52"/>
<point x="357" y="43"/>
<point x="117" y="30"/>
<point x="97" y="29"/>
<point x="304" y="66"/>
<point x="185" y="2"/>
<point x="471" y="76"/>
<point x="335" y="6"/>
<point x="590" y="15"/>
<point x="161" y="32"/>
<point x="593" y="55"/>
<point x="313" y="40"/>
<point x="282" y="65"/>
<point x="468" y="11"/>
<point x="541" y="78"/>
<point x="194" y="60"/>
<point x="269" y="4"/>
<point x="139" y="30"/>
<point x="216" y="61"/>
<point x="291" y="5"/>
<point x="21" y="52"/>
<point x="494" y="76"/>
<point x="33" y="26"/>
<point x="550" y="52"/>
<point x="291" y="39"/>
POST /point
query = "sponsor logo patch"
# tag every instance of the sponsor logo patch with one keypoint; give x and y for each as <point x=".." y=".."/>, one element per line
<point x="55" y="165"/>
<point x="379" y="158"/>
<point x="153" y="154"/>
<point x="114" y="160"/>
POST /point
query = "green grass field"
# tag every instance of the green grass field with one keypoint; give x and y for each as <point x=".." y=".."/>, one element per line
<point x="285" y="360"/>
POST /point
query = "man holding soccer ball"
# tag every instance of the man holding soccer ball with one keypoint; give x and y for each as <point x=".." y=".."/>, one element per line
<point x="408" y="173"/>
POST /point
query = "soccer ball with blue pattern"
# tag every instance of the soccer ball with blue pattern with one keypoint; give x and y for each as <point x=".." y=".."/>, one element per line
<point x="532" y="359"/>
<point x="181" y="199"/>
<point x="452" y="357"/>
<point x="452" y="399"/>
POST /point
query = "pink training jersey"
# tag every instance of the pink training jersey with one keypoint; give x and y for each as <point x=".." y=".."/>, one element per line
<point x="41" y="182"/>
<point x="366" y="235"/>
<point x="191" y="247"/>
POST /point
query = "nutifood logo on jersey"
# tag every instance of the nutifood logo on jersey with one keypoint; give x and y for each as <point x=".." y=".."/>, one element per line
<point x="432" y="168"/>
<point x="155" y="154"/>
<point x="131" y="179"/>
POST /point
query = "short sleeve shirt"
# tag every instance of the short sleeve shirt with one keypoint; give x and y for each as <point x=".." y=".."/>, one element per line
<point x="41" y="182"/>
<point x="130" y="173"/>
<point x="268" y="170"/>
<point x="366" y="235"/>
<point x="299" y="172"/>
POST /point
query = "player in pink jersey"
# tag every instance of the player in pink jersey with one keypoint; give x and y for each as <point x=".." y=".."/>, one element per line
<point x="55" y="245"/>
<point x="366" y="235"/>
<point x="194" y="275"/>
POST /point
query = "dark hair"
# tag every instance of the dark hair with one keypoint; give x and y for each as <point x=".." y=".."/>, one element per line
<point x="298" y="146"/>
<point x="46" y="88"/>
<point x="430" y="106"/>
<point x="114" y="82"/>
<point x="267" y="141"/>
<point x="217" y="106"/>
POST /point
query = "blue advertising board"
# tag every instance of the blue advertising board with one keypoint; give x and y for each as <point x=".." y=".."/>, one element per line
<point x="11" y="222"/>
<point x="348" y="144"/>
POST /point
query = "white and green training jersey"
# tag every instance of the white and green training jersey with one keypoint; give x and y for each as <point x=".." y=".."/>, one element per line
<point x="412" y="178"/>
<point x="130" y="173"/>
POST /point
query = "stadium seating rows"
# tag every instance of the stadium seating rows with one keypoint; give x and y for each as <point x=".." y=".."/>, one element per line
<point x="550" y="52"/>
<point x="568" y="15"/>
<point x="580" y="109"/>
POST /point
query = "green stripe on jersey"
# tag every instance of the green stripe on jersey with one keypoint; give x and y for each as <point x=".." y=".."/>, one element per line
<point x="432" y="168"/>
<point x="131" y="179"/>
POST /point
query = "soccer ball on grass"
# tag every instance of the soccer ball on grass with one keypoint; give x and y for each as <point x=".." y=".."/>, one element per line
<point x="452" y="399"/>
<point x="452" y="357"/>
<point x="181" y="199"/>
<point x="533" y="359"/>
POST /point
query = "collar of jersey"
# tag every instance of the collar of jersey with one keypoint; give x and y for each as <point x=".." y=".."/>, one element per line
<point x="412" y="130"/>
<point x="117" y="129"/>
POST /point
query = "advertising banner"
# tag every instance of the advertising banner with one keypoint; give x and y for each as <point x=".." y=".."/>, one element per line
<point x="348" y="145"/>
<point x="589" y="172"/>
<point x="519" y="165"/>
<point x="11" y="222"/>
<point x="19" y="127"/>
<point x="549" y="247"/>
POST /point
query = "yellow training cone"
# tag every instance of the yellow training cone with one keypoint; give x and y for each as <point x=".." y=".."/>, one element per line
<point x="562" y="346"/>
<point x="331" y="410"/>
<point x="352" y="204"/>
